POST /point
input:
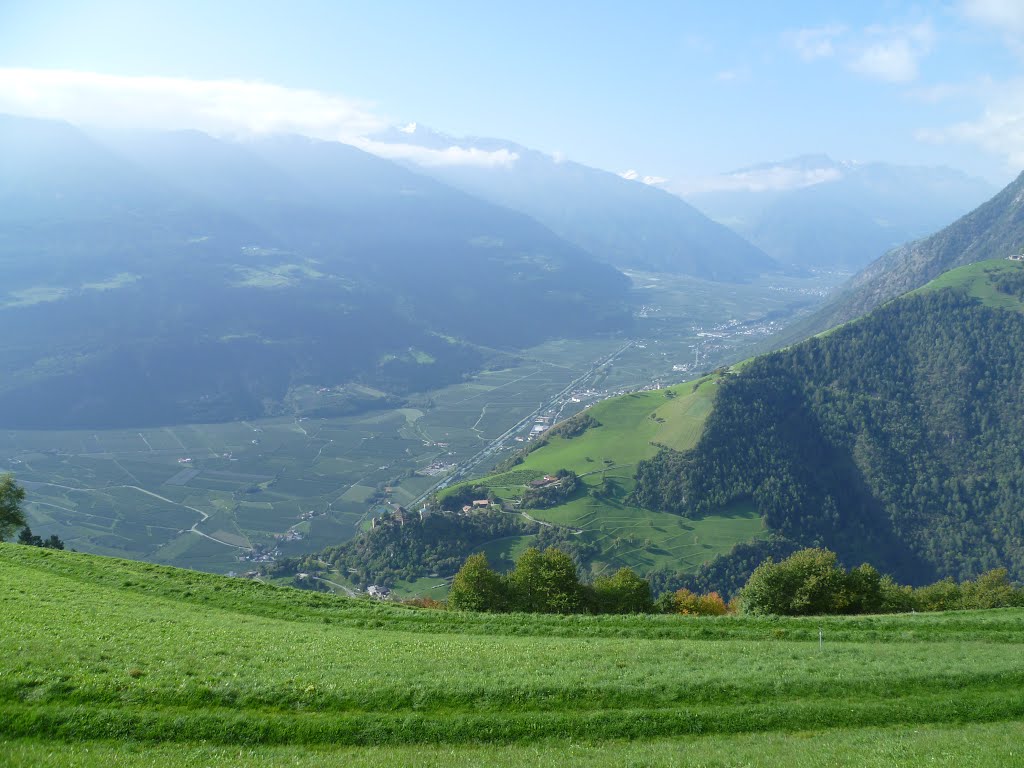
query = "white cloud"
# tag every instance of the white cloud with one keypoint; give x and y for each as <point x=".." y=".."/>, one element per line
<point x="1005" y="14"/>
<point x="218" y="107"/>
<point x="777" y="178"/>
<point x="651" y="181"/>
<point x="817" y="42"/>
<point x="890" y="53"/>
<point x="999" y="129"/>
<point x="431" y="158"/>
<point x="893" y="53"/>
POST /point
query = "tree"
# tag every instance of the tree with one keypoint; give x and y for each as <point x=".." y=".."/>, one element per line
<point x="12" y="517"/>
<point x="29" y="539"/>
<point x="807" y="583"/>
<point x="625" y="592"/>
<point x="545" y="582"/>
<point x="990" y="590"/>
<point x="863" y="592"/>
<point x="477" y="588"/>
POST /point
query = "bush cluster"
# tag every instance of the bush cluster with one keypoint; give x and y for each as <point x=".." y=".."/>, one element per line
<point x="811" y="582"/>
<point x="545" y="582"/>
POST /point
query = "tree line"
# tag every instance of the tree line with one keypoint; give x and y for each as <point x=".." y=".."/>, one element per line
<point x="809" y="582"/>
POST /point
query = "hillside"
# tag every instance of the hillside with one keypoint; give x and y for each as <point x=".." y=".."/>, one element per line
<point x="598" y="521"/>
<point x="171" y="278"/>
<point x="894" y="440"/>
<point x="872" y="440"/>
<point x="590" y="515"/>
<point x="815" y="212"/>
<point x="993" y="230"/>
<point x="625" y="223"/>
<point x="124" y="661"/>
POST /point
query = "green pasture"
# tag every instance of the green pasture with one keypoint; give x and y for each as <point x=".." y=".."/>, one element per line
<point x="133" y="659"/>
<point x="633" y="428"/>
<point x="978" y="280"/>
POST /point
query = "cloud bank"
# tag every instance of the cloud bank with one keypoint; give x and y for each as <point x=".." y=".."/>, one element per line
<point x="776" y="178"/>
<point x="217" y="107"/>
<point x="429" y="157"/>
<point x="223" y="108"/>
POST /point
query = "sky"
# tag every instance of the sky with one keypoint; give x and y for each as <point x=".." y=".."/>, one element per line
<point x="673" y="90"/>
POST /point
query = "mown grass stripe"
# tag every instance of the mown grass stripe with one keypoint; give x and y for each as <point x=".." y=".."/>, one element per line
<point x="256" y="727"/>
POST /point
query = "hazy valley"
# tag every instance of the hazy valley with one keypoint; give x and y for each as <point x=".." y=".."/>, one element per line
<point x="413" y="385"/>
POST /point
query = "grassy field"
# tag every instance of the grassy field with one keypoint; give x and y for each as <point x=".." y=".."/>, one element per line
<point x="978" y="280"/>
<point x="992" y="745"/>
<point x="110" y="660"/>
<point x="633" y="427"/>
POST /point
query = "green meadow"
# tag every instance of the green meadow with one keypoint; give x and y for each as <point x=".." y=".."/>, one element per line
<point x="979" y="280"/>
<point x="117" y="662"/>
<point x="632" y="427"/>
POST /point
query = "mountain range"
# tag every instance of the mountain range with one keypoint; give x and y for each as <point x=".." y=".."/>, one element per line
<point x="153" y="279"/>
<point x="815" y="212"/>
<point x="626" y="224"/>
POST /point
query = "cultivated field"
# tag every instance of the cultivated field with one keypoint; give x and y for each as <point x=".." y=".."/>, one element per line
<point x="110" y="660"/>
<point x="198" y="495"/>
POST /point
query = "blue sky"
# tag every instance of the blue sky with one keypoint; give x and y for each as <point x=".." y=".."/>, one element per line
<point x="673" y="89"/>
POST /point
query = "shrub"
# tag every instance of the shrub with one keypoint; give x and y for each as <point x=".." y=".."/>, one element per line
<point x="686" y="602"/>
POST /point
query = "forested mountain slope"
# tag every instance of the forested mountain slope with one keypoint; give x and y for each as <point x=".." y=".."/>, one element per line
<point x="175" y="277"/>
<point x="896" y="440"/>
<point x="994" y="229"/>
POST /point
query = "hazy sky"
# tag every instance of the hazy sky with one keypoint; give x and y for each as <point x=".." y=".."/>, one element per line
<point x="674" y="89"/>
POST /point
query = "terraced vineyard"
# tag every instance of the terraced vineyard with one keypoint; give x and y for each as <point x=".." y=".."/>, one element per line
<point x="111" y="661"/>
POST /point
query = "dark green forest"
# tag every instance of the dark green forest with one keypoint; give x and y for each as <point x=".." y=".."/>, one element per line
<point x="893" y="440"/>
<point x="403" y="546"/>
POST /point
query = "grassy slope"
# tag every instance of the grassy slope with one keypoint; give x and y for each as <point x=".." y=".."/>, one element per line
<point x="98" y="650"/>
<point x="633" y="427"/>
<point x="978" y="280"/>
